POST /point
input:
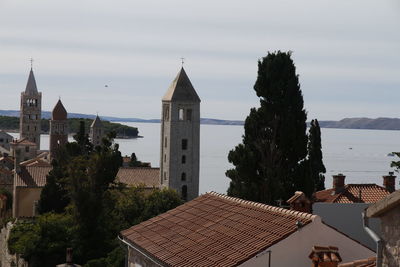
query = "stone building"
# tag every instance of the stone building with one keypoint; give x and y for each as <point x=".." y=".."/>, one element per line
<point x="96" y="131"/>
<point x="31" y="112"/>
<point x="388" y="211"/>
<point x="5" y="140"/>
<point x="58" y="128"/>
<point x="180" y="138"/>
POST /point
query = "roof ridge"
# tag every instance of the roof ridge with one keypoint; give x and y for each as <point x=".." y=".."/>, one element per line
<point x="264" y="206"/>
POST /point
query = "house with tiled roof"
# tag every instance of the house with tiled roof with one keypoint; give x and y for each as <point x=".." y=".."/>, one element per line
<point x="341" y="206"/>
<point x="28" y="184"/>
<point x="217" y="230"/>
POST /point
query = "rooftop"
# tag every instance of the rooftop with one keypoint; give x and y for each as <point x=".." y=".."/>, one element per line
<point x="134" y="176"/>
<point x="31" y="88"/>
<point x="214" y="230"/>
<point x="370" y="262"/>
<point x="384" y="205"/>
<point x="32" y="176"/>
<point x="353" y="193"/>
<point x="59" y="112"/>
<point x="181" y="89"/>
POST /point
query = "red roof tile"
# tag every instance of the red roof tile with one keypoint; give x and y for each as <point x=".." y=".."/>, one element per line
<point x="370" y="193"/>
<point x="214" y="230"/>
<point x="325" y="254"/>
<point x="23" y="141"/>
<point x="32" y="176"/>
<point x="134" y="176"/>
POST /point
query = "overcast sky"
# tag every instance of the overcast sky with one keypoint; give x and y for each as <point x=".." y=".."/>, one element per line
<point x="347" y="53"/>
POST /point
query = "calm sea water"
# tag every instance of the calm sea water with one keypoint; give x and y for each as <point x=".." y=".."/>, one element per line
<point x="359" y="154"/>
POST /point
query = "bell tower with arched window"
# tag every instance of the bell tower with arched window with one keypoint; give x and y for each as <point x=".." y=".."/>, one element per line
<point x="180" y="138"/>
<point x="31" y="112"/>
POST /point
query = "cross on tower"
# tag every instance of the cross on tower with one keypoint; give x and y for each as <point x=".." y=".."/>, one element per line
<point x="182" y="61"/>
<point x="31" y="60"/>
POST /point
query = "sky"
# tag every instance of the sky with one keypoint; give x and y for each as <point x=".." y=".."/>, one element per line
<point x="347" y="53"/>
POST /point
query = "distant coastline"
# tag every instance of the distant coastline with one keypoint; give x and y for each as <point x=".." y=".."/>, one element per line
<point x="346" y="123"/>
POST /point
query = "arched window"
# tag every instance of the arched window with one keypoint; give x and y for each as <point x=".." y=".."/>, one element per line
<point x="184" y="192"/>
<point x="183" y="177"/>
<point x="181" y="118"/>
<point x="183" y="159"/>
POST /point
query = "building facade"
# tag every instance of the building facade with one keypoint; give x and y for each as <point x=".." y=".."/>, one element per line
<point x="31" y="112"/>
<point x="180" y="138"/>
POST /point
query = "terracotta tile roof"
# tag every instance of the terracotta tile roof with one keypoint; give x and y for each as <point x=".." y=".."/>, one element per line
<point x="370" y="193"/>
<point x="23" y="141"/>
<point x="8" y="159"/>
<point x="32" y="176"/>
<point x="213" y="230"/>
<point x="134" y="176"/>
<point x="298" y="195"/>
<point x="325" y="254"/>
<point x="36" y="162"/>
<point x="384" y="205"/>
<point x="370" y="262"/>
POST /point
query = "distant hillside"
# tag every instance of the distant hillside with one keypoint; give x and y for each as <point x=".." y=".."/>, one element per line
<point x="123" y="131"/>
<point x="347" y="123"/>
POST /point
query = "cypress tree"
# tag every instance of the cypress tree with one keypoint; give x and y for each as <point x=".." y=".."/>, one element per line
<point x="317" y="167"/>
<point x="269" y="164"/>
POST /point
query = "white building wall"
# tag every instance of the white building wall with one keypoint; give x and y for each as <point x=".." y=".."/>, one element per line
<point x="294" y="250"/>
<point x="347" y="218"/>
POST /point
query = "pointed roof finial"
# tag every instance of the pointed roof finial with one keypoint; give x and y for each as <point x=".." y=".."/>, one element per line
<point x="182" y="61"/>
<point x="31" y="60"/>
<point x="31" y="87"/>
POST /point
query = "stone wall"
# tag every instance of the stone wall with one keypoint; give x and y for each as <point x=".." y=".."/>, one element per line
<point x="391" y="236"/>
<point x="6" y="259"/>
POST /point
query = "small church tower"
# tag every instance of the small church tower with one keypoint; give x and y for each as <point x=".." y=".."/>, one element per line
<point x="180" y="138"/>
<point x="58" y="128"/>
<point x="96" y="131"/>
<point x="31" y="112"/>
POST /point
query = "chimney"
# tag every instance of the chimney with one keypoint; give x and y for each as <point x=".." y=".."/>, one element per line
<point x="389" y="182"/>
<point x="338" y="183"/>
<point x="69" y="256"/>
<point x="325" y="256"/>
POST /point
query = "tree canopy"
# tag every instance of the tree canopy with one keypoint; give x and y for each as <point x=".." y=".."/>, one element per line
<point x="270" y="163"/>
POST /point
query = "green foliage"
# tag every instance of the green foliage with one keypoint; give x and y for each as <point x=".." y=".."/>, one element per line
<point x="42" y="241"/>
<point x="135" y="162"/>
<point x="316" y="165"/>
<point x="114" y="259"/>
<point x="396" y="164"/>
<point x="12" y="123"/>
<point x="269" y="163"/>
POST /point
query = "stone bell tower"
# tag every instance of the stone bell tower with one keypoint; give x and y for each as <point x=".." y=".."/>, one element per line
<point x="96" y="131"/>
<point x="180" y="138"/>
<point x="31" y="112"/>
<point x="58" y="128"/>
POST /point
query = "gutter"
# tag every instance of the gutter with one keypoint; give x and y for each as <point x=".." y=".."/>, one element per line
<point x="376" y="238"/>
<point x="138" y="250"/>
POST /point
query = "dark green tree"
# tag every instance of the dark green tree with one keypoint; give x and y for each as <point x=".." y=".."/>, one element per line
<point x="269" y="164"/>
<point x="316" y="165"/>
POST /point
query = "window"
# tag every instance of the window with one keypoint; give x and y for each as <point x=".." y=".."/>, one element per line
<point x="189" y="114"/>
<point x="27" y="149"/>
<point x="165" y="175"/>
<point x="183" y="159"/>
<point x="29" y="116"/>
<point x="37" y="116"/>
<point x="181" y="114"/>
<point x="184" y="192"/>
<point x="1" y="140"/>
<point x="165" y="157"/>
<point x="166" y="112"/>
<point x="184" y="144"/>
<point x="35" y="128"/>
<point x="165" y="141"/>
<point x="183" y="177"/>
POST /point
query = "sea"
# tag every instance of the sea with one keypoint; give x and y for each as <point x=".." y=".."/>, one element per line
<point x="364" y="156"/>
